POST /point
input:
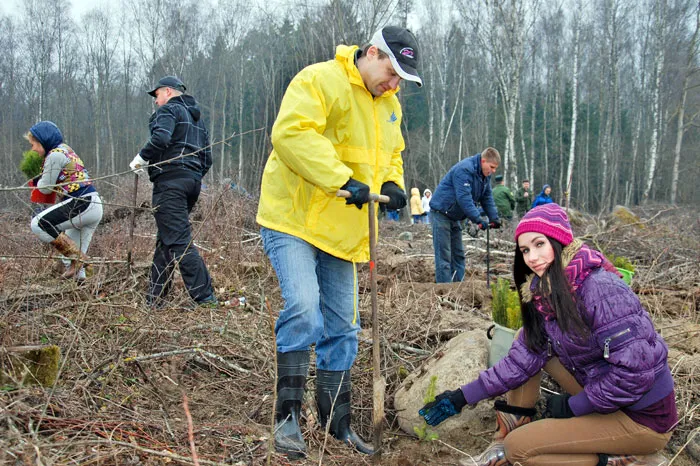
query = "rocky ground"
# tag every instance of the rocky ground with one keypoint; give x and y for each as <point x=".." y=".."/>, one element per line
<point x="186" y="386"/>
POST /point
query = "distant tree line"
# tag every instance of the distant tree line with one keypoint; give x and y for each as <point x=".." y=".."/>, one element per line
<point x="598" y="99"/>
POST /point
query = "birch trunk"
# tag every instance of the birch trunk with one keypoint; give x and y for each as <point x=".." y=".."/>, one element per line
<point x="656" y="105"/>
<point x="574" y="112"/>
<point x="680" y="127"/>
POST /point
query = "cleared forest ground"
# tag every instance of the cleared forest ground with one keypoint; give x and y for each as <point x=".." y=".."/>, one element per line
<point x="178" y="386"/>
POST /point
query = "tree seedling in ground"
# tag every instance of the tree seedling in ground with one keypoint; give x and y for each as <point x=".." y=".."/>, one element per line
<point x="423" y="432"/>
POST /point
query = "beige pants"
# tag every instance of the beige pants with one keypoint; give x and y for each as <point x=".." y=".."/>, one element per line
<point x="575" y="441"/>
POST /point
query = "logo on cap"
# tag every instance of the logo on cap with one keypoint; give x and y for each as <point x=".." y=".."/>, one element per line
<point x="407" y="52"/>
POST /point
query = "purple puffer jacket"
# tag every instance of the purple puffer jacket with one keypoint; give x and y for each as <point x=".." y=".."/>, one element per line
<point x="622" y="364"/>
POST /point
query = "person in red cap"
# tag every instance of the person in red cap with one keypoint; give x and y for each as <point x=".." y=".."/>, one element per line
<point x="588" y="330"/>
<point x="338" y="127"/>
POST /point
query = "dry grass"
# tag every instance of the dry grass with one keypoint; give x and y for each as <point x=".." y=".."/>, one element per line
<point x="211" y="387"/>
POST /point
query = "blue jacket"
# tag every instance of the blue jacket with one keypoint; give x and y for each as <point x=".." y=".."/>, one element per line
<point x="461" y="189"/>
<point x="542" y="198"/>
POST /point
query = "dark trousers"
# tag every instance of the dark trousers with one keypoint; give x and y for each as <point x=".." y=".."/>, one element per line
<point x="448" y="248"/>
<point x="173" y="201"/>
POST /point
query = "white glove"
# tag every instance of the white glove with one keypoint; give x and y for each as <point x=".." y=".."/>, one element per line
<point x="138" y="164"/>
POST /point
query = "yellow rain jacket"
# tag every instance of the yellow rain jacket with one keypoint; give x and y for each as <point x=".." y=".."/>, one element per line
<point x="416" y="203"/>
<point x="330" y="128"/>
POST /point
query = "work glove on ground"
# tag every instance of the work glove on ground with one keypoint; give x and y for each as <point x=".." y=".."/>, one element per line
<point x="496" y="224"/>
<point x="558" y="407"/>
<point x="446" y="404"/>
<point x="359" y="193"/>
<point x="397" y="197"/>
<point x="138" y="165"/>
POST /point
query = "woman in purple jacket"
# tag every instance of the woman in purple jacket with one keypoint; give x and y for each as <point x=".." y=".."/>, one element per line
<point x="588" y="330"/>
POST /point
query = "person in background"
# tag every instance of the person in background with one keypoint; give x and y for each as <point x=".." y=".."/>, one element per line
<point x="416" y="206"/>
<point x="523" y="198"/>
<point x="178" y="155"/>
<point x="425" y="202"/>
<point x="543" y="197"/>
<point x="393" y="215"/>
<point x="588" y="330"/>
<point x="69" y="225"/>
<point x="467" y="184"/>
<point x="503" y="197"/>
<point x="338" y="127"/>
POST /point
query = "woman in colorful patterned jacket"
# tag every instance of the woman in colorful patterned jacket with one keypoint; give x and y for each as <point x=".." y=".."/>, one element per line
<point x="587" y="329"/>
<point x="69" y="225"/>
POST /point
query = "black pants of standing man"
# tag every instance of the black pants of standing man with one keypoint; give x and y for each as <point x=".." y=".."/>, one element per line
<point x="173" y="201"/>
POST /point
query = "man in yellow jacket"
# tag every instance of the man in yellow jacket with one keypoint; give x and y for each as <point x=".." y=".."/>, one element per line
<point x="339" y="127"/>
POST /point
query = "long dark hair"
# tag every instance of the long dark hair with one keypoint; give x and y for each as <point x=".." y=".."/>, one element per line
<point x="556" y="291"/>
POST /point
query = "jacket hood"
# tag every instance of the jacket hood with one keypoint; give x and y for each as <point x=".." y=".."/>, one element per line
<point x="48" y="135"/>
<point x="426" y="191"/>
<point x="189" y="103"/>
<point x="415" y="192"/>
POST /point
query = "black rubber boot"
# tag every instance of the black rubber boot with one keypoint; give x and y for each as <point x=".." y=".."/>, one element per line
<point x="292" y="369"/>
<point x="333" y="394"/>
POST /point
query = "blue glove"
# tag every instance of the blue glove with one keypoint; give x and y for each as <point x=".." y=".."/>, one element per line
<point x="558" y="407"/>
<point x="483" y="225"/>
<point x="446" y="404"/>
<point x="396" y="195"/>
<point x="359" y="193"/>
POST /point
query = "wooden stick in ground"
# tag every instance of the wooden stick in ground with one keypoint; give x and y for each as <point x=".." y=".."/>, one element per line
<point x="378" y="382"/>
<point x="132" y="224"/>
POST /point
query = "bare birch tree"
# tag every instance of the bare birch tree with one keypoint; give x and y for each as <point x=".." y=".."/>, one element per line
<point x="682" y="126"/>
<point x="657" y="117"/>
<point x="574" y="104"/>
<point x="503" y="29"/>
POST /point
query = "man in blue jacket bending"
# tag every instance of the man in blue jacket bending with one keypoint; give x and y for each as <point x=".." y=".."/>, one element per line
<point x="466" y="184"/>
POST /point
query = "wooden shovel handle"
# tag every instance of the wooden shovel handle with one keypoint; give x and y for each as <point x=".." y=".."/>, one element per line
<point x="372" y="196"/>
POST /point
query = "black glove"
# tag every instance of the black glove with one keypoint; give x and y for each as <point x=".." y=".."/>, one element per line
<point x="496" y="224"/>
<point x="396" y="195"/>
<point x="558" y="407"/>
<point x="446" y="404"/>
<point x="359" y="193"/>
<point x="482" y="225"/>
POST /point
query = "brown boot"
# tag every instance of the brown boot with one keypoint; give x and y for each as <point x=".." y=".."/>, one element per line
<point x="70" y="250"/>
<point x="507" y="418"/>
<point x="510" y="417"/>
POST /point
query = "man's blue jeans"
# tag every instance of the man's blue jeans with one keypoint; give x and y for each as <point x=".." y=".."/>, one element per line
<point x="320" y="301"/>
<point x="448" y="247"/>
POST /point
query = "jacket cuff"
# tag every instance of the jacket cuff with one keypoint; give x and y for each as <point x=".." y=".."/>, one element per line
<point x="474" y="392"/>
<point x="580" y="404"/>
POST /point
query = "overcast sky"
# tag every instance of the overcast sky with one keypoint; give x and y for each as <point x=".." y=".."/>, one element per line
<point x="78" y="6"/>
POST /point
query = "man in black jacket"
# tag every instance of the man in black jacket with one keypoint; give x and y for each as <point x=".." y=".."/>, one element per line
<point x="178" y="155"/>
